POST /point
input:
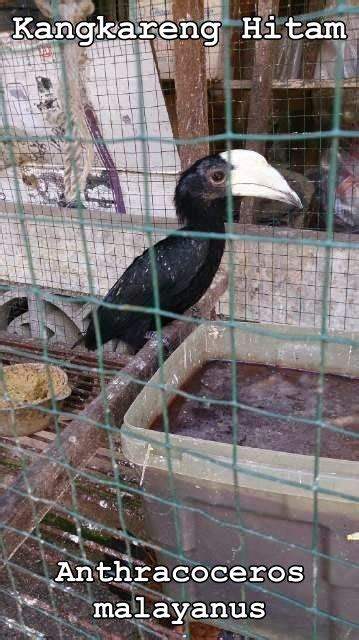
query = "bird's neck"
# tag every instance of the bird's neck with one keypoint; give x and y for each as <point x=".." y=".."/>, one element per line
<point x="200" y="216"/>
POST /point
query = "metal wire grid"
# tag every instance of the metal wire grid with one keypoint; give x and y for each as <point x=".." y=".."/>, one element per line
<point x="334" y="256"/>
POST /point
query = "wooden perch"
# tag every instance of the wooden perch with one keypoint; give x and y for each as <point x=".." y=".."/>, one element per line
<point x="260" y="103"/>
<point x="191" y="84"/>
<point x="48" y="477"/>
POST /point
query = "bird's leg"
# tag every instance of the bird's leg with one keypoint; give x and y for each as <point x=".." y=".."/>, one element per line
<point x="153" y="335"/>
<point x="196" y="313"/>
<point x="115" y="343"/>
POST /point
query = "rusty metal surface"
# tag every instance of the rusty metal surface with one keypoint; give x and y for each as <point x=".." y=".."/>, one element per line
<point x="12" y="346"/>
<point x="81" y="367"/>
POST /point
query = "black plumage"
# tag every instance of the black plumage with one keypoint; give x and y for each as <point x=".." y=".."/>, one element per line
<point x="185" y="266"/>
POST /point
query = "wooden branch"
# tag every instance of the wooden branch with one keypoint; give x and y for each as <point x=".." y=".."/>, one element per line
<point x="191" y="84"/>
<point x="260" y="104"/>
<point x="48" y="477"/>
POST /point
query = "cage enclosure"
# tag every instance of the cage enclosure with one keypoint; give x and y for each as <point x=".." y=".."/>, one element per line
<point x="208" y="514"/>
<point x="92" y="142"/>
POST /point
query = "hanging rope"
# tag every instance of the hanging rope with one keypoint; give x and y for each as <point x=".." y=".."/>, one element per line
<point x="78" y="156"/>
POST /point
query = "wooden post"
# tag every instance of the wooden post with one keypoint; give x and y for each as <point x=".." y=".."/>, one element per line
<point x="235" y="40"/>
<point x="260" y="103"/>
<point x="191" y="84"/>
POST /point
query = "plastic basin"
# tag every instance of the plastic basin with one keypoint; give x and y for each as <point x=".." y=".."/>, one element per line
<point x="274" y="517"/>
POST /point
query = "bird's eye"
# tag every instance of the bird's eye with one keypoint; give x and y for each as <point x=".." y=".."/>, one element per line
<point x="218" y="177"/>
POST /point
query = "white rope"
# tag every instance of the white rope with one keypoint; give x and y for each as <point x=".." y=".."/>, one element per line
<point x="78" y="156"/>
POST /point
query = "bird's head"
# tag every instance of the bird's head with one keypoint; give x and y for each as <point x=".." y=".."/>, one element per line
<point x="202" y="189"/>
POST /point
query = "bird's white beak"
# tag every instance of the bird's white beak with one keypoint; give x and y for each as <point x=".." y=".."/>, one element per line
<point x="252" y="175"/>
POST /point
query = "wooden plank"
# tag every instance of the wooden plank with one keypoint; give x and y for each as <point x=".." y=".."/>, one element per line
<point x="191" y="84"/>
<point x="57" y="214"/>
<point x="295" y="83"/>
<point x="260" y="103"/>
<point x="9" y="211"/>
<point x="49" y="476"/>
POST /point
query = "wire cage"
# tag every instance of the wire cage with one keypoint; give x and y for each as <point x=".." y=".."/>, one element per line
<point x="230" y="438"/>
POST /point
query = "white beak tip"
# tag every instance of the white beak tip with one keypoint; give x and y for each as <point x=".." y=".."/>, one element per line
<point x="296" y="200"/>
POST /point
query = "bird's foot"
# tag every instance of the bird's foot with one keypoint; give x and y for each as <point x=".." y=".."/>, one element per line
<point x="195" y="311"/>
<point x="153" y="335"/>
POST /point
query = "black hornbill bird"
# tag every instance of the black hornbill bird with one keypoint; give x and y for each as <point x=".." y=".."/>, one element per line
<point x="186" y="266"/>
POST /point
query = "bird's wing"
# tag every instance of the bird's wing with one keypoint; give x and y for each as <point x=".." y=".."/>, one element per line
<point x="178" y="260"/>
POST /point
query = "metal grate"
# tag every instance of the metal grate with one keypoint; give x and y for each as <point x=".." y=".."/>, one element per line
<point x="82" y="369"/>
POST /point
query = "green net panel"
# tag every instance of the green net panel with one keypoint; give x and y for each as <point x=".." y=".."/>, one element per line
<point x="263" y="477"/>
